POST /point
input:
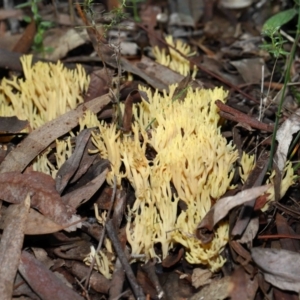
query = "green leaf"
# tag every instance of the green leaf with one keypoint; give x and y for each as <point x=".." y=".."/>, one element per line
<point x="48" y="49"/>
<point x="276" y="21"/>
<point x="46" y="24"/>
<point x="38" y="39"/>
<point x="27" y="19"/>
<point x="34" y="9"/>
<point x="26" y="4"/>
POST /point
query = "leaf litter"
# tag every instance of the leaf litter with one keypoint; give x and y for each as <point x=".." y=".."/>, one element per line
<point x="136" y="201"/>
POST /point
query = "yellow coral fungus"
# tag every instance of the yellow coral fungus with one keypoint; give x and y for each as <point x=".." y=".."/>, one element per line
<point x="191" y="155"/>
<point x="175" y="61"/>
<point x="247" y="165"/>
<point x="63" y="152"/>
<point x="48" y="91"/>
<point x="108" y="143"/>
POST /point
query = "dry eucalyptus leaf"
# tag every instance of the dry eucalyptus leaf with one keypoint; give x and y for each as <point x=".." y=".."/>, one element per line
<point x="39" y="224"/>
<point x="11" y="245"/>
<point x="44" y="197"/>
<point x="65" y="40"/>
<point x="12" y="125"/>
<point x="250" y="231"/>
<point x="250" y="69"/>
<point x="201" y="277"/>
<point x="36" y="223"/>
<point x="284" y="137"/>
<point x="222" y="208"/>
<point x="280" y="267"/>
<point x="157" y="75"/>
<point x="79" y="196"/>
<point x="219" y="289"/>
<point x="97" y="281"/>
<point x="44" y="282"/>
<point x="70" y="166"/>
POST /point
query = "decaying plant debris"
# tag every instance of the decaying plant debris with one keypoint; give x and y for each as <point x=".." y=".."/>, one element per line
<point x="143" y="171"/>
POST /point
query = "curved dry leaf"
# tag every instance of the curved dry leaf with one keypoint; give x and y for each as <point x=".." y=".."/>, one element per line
<point x="70" y="166"/>
<point x="284" y="137"/>
<point x="127" y="118"/>
<point x="38" y="224"/>
<point x="12" y="125"/>
<point x="11" y="245"/>
<point x="222" y="208"/>
<point x="46" y="284"/>
<point x="15" y="186"/>
<point x="280" y="267"/>
<point x="79" y="196"/>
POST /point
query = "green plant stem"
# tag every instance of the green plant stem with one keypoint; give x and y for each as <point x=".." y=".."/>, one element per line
<point x="286" y="80"/>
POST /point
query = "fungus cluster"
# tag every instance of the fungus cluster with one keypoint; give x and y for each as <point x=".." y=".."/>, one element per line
<point x="175" y="157"/>
<point x="174" y="60"/>
<point x="193" y="165"/>
<point x="179" y="165"/>
<point x="47" y="91"/>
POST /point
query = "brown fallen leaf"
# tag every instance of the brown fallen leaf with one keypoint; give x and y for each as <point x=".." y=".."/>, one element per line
<point x="127" y="118"/>
<point x="21" y="288"/>
<point x="173" y="258"/>
<point x="284" y="137"/>
<point x="70" y="166"/>
<point x="36" y="223"/>
<point x="117" y="280"/>
<point x="83" y="194"/>
<point x="219" y="289"/>
<point x="157" y="75"/>
<point x="11" y="245"/>
<point x="12" y="125"/>
<point x="285" y="229"/>
<point x="99" y="84"/>
<point x="242" y="285"/>
<point x="46" y="284"/>
<point x="97" y="281"/>
<point x="86" y="162"/>
<point x="221" y="209"/>
<point x="25" y="42"/>
<point x="255" y="178"/>
<point x="44" y="197"/>
<point x="280" y="267"/>
<point x="201" y="277"/>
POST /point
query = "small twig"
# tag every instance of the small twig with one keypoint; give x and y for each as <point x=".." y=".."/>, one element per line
<point x="149" y="269"/>
<point x="87" y="279"/>
<point x="232" y="114"/>
<point x="116" y="281"/>
<point x="136" y="289"/>
<point x="279" y="236"/>
<point x="86" y="294"/>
